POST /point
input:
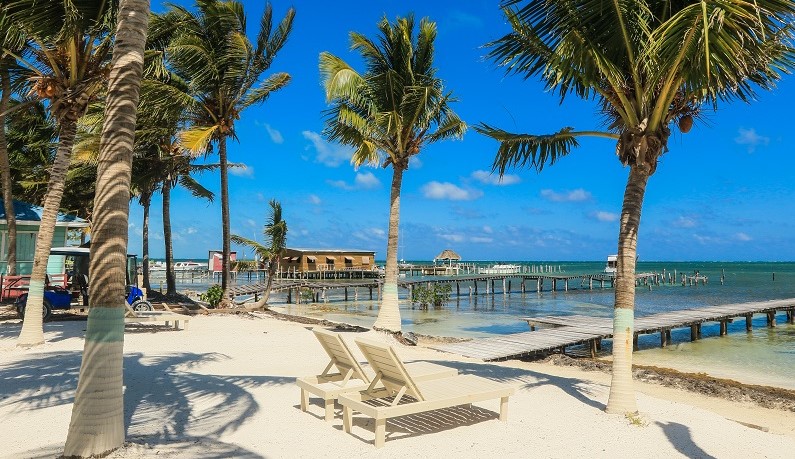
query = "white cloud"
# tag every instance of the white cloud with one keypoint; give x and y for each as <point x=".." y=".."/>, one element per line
<point x="742" y="237"/>
<point x="275" y="135"/>
<point x="245" y="171"/>
<point x="446" y="190"/>
<point x="684" y="222"/>
<point x="750" y="138"/>
<point x="314" y="199"/>
<point x="370" y="234"/>
<point x="366" y="181"/>
<point x="191" y="230"/>
<point x="362" y="181"/>
<point x="488" y="178"/>
<point x="577" y="195"/>
<point x="603" y="216"/>
<point x="487" y="229"/>
<point x="415" y="162"/>
<point x="251" y="222"/>
<point x="481" y="240"/>
<point x="453" y="237"/>
<point x="328" y="154"/>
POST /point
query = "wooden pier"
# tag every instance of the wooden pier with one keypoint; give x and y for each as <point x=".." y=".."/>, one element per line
<point x="578" y="330"/>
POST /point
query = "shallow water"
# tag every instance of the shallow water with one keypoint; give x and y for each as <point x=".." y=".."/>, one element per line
<point x="764" y="356"/>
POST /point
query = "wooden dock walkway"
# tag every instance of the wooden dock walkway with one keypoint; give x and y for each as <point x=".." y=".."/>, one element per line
<point x="577" y="330"/>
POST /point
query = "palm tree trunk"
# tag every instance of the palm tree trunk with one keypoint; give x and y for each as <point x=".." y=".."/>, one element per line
<point x="389" y="313"/>
<point x="97" y="424"/>
<point x="146" y="201"/>
<point x="224" y="214"/>
<point x="32" y="333"/>
<point x="5" y="175"/>
<point x="622" y="395"/>
<point x="171" y="281"/>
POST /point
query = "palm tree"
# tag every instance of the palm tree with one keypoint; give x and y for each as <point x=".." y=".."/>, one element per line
<point x="275" y="233"/>
<point x="648" y="64"/>
<point x="97" y="424"/>
<point x="68" y="64"/>
<point x="394" y="109"/>
<point x="211" y="52"/>
<point x="9" y="38"/>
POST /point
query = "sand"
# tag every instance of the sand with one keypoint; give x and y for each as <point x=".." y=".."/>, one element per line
<point x="225" y="388"/>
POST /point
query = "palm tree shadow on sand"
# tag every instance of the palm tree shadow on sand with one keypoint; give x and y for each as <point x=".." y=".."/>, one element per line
<point x="166" y="406"/>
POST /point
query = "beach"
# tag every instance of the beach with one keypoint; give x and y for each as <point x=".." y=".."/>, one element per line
<point x="225" y="387"/>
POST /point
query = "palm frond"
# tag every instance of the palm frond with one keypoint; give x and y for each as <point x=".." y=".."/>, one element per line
<point x="197" y="139"/>
<point x="528" y="150"/>
<point x="196" y="189"/>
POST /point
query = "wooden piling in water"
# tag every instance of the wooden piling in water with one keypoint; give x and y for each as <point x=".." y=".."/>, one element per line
<point x="749" y="322"/>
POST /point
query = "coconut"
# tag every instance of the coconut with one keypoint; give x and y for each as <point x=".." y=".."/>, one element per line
<point x="685" y="124"/>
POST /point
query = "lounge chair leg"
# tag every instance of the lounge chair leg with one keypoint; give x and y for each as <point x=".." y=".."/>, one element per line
<point x="347" y="418"/>
<point x="380" y="432"/>
<point x="330" y="410"/>
<point x="304" y="399"/>
<point x="504" y="409"/>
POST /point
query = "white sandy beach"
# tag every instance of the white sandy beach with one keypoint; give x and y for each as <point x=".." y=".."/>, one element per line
<point x="225" y="387"/>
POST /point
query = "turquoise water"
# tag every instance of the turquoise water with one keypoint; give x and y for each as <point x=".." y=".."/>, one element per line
<point x="764" y="356"/>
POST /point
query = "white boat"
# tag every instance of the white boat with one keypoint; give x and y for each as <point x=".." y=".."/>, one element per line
<point x="189" y="266"/>
<point x="610" y="267"/>
<point x="500" y="269"/>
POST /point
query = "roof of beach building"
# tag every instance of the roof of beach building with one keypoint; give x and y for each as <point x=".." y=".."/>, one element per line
<point x="304" y="250"/>
<point x="448" y="254"/>
<point x="29" y="214"/>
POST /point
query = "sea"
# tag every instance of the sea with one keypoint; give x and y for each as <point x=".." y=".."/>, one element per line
<point x="764" y="356"/>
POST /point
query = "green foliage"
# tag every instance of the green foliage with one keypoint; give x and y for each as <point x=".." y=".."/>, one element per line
<point x="213" y="295"/>
<point x="307" y="295"/>
<point x="244" y="266"/>
<point x="432" y="294"/>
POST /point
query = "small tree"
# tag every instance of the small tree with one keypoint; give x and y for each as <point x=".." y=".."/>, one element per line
<point x="275" y="233"/>
<point x="431" y="294"/>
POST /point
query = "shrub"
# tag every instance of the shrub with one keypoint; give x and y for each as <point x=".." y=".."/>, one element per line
<point x="213" y="295"/>
<point x="432" y="294"/>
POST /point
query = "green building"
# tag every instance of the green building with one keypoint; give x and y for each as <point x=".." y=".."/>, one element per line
<point x="28" y="222"/>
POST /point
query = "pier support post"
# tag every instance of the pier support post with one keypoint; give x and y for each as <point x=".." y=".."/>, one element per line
<point x="346" y="293"/>
<point x="693" y="332"/>
<point x="509" y="287"/>
<point x="554" y="284"/>
<point x="457" y="289"/>
<point x="522" y="285"/>
<point x="634" y="342"/>
<point x="538" y="285"/>
<point x="503" y="286"/>
<point x="791" y="316"/>
<point x="723" y="327"/>
<point x="748" y="322"/>
<point x="476" y="287"/>
<point x="771" y="319"/>
<point x="289" y="295"/>
<point x="592" y="348"/>
<point x="371" y="293"/>
<point x="663" y="337"/>
<point x="566" y="285"/>
<point x="698" y="330"/>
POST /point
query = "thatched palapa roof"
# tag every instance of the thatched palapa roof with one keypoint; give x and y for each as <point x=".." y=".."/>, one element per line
<point x="448" y="254"/>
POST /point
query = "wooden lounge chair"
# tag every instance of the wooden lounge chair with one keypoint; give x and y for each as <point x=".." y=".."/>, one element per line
<point x="400" y="394"/>
<point x="350" y="375"/>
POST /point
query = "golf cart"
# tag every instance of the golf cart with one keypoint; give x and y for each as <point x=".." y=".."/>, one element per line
<point x="72" y="290"/>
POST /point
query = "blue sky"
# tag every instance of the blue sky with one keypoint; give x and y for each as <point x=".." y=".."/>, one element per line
<point x="723" y="192"/>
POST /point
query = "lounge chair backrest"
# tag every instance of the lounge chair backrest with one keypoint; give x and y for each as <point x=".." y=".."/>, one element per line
<point x="385" y="361"/>
<point x="340" y="354"/>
